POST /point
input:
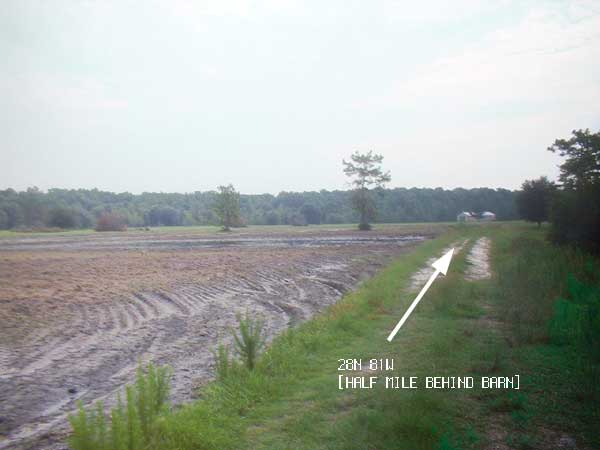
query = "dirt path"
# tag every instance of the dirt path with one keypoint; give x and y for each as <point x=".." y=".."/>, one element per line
<point x="78" y="322"/>
<point x="478" y="260"/>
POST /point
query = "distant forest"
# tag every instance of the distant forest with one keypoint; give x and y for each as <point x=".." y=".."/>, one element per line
<point x="80" y="208"/>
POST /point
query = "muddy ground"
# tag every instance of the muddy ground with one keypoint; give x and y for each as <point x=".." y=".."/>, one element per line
<point x="77" y="313"/>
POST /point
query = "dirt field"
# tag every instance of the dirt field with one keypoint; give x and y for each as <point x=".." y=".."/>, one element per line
<point x="79" y="312"/>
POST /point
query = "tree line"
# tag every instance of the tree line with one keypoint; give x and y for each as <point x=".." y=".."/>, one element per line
<point x="571" y="205"/>
<point x="81" y="208"/>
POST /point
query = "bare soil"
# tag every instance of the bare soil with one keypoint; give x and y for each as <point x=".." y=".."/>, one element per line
<point x="78" y="313"/>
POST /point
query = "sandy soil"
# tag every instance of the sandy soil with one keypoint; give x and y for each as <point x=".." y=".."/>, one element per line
<point x="78" y="313"/>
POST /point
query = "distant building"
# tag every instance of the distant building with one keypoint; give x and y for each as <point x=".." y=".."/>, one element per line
<point x="488" y="216"/>
<point x="465" y="216"/>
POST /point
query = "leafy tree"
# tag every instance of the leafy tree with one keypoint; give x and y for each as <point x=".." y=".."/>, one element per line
<point x="365" y="169"/>
<point x="227" y="206"/>
<point x="582" y="165"/>
<point x="576" y="209"/>
<point x="533" y="202"/>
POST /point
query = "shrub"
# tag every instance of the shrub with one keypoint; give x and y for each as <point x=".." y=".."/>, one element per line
<point x="131" y="426"/>
<point x="111" y="222"/>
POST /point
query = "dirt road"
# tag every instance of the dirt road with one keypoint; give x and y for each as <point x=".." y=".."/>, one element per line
<point x="79" y="312"/>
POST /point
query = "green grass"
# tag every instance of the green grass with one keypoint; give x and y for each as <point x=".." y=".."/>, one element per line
<point x="493" y="327"/>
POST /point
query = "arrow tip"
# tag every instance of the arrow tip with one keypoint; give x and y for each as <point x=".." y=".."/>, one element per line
<point x="443" y="263"/>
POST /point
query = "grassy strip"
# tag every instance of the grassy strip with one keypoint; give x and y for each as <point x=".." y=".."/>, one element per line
<point x="560" y="400"/>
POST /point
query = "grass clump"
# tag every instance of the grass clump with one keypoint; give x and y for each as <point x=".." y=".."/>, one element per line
<point x="131" y="425"/>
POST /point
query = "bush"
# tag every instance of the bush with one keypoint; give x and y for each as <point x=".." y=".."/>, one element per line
<point x="131" y="426"/>
<point x="111" y="222"/>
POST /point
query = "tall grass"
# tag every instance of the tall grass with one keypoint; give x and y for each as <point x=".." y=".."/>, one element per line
<point x="551" y="295"/>
<point x="531" y="276"/>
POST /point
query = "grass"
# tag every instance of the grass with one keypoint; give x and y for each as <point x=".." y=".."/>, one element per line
<point x="500" y="326"/>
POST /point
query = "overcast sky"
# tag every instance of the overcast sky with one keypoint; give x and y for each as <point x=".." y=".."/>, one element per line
<point x="271" y="95"/>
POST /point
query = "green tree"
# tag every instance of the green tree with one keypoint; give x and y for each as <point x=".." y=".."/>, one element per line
<point x="533" y="202"/>
<point x="227" y="206"/>
<point x="582" y="151"/>
<point x="576" y="208"/>
<point x="365" y="171"/>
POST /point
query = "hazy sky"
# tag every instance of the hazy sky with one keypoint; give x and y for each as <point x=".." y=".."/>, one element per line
<point x="183" y="96"/>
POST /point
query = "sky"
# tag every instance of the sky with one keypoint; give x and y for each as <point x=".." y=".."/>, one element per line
<point x="183" y="96"/>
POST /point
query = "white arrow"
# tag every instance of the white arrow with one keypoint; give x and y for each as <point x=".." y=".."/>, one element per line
<point x="440" y="266"/>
